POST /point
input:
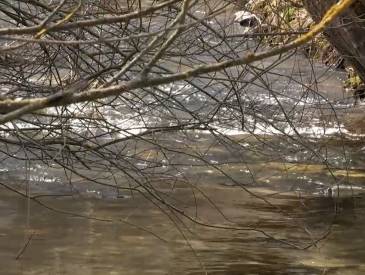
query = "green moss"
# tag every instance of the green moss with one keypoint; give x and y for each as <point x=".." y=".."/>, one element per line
<point x="289" y="14"/>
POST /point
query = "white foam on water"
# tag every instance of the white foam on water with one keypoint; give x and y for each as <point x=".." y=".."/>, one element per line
<point x="128" y="124"/>
<point x="264" y="129"/>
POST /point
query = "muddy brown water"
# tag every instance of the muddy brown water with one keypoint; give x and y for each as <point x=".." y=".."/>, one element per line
<point x="305" y="232"/>
<point x="136" y="237"/>
<point x="94" y="232"/>
<point x="298" y="230"/>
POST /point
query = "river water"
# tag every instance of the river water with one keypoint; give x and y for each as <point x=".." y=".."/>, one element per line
<point x="138" y="239"/>
<point x="253" y="194"/>
<point x="294" y="227"/>
<point x="256" y="203"/>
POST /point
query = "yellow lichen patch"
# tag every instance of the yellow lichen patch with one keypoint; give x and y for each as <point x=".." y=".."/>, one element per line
<point x="353" y="80"/>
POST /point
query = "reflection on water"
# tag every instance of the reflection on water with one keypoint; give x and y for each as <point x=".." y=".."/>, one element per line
<point x="93" y="229"/>
<point x="131" y="235"/>
<point x="125" y="242"/>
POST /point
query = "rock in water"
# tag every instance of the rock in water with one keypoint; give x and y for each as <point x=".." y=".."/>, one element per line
<point x="247" y="20"/>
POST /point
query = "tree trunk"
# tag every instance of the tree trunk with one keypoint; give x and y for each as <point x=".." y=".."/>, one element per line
<point x="347" y="33"/>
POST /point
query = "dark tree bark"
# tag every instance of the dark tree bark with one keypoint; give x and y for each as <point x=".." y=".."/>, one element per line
<point x="347" y="33"/>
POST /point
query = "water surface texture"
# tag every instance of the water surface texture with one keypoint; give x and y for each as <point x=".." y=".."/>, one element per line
<point x="247" y="171"/>
<point x="138" y="238"/>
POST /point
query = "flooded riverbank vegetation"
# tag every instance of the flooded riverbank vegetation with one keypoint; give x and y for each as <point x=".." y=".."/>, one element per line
<point x="179" y="137"/>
